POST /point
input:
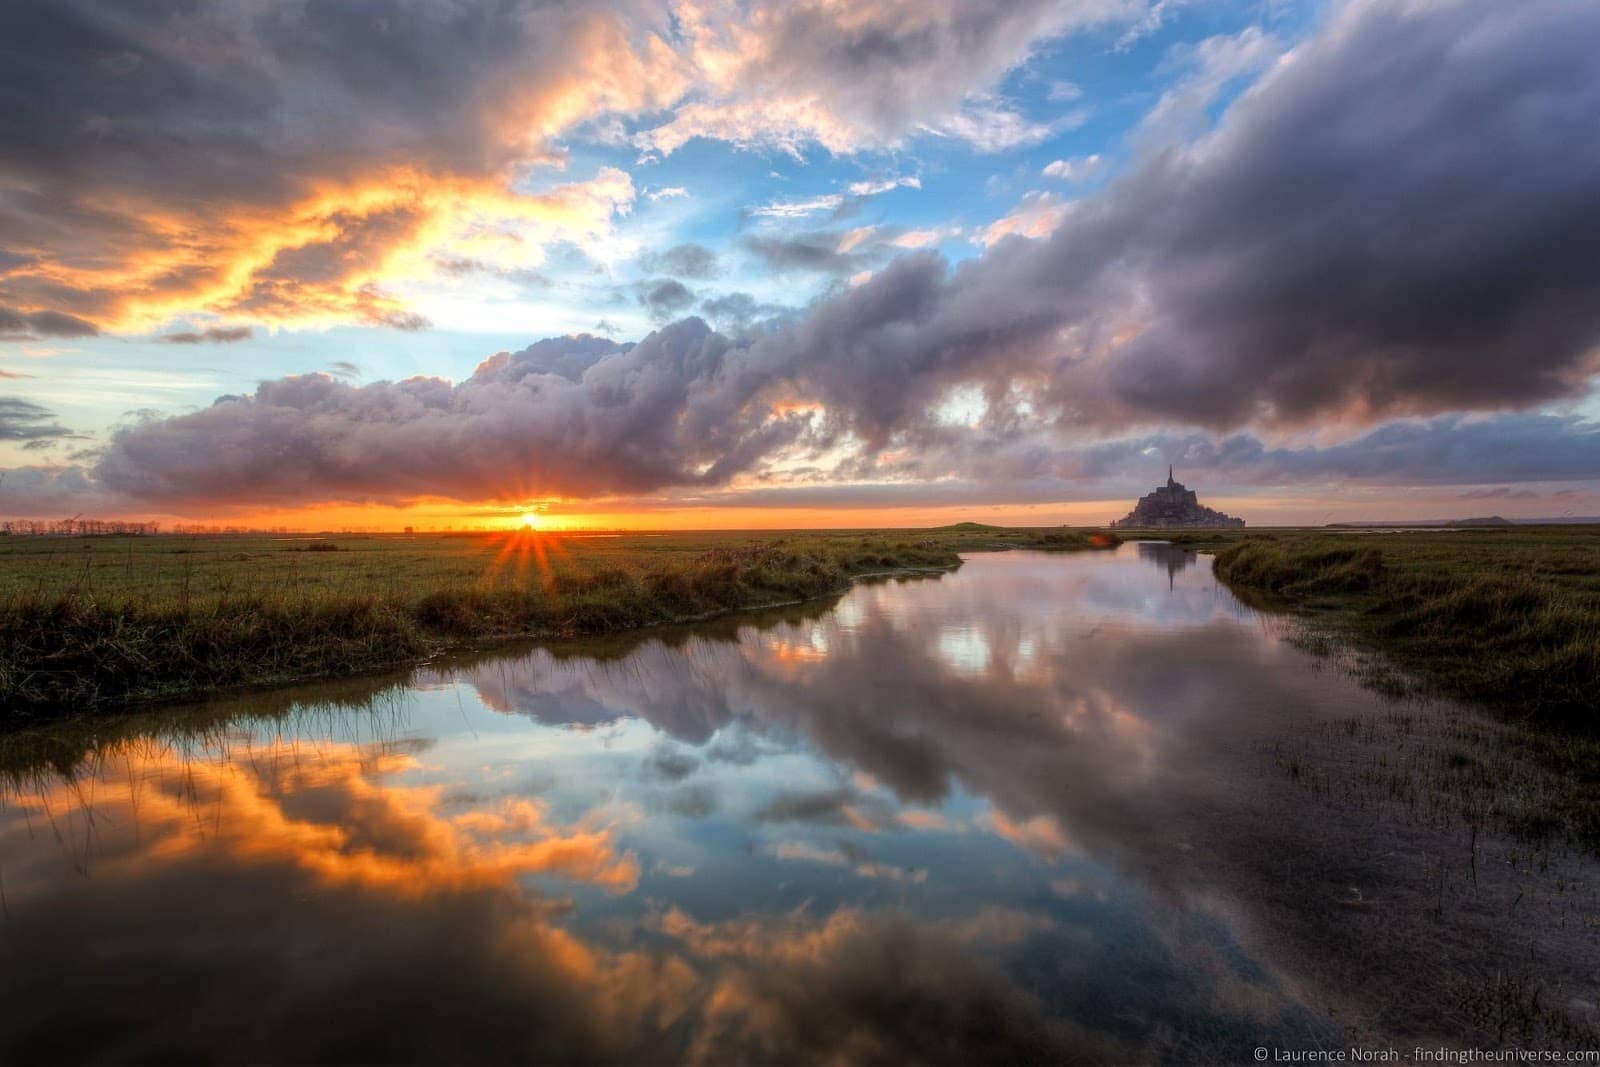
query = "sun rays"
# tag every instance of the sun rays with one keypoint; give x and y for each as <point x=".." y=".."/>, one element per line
<point x="523" y="549"/>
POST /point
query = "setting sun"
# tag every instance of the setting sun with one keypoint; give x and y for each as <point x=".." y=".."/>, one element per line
<point x="528" y="521"/>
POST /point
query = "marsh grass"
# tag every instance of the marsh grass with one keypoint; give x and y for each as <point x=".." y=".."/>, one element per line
<point x="96" y="623"/>
<point x="1508" y="618"/>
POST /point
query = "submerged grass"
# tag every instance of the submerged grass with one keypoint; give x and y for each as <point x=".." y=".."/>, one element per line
<point x="89" y="624"/>
<point x="1504" y="618"/>
<point x="1508" y="618"/>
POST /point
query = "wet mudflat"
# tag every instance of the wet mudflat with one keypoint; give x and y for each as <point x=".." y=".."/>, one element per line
<point x="1070" y="808"/>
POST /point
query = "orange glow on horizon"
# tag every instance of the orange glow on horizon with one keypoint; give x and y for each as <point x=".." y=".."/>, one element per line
<point x="591" y="516"/>
<point x="587" y="516"/>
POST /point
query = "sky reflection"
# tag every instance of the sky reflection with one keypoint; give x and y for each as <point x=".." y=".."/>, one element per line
<point x="954" y="818"/>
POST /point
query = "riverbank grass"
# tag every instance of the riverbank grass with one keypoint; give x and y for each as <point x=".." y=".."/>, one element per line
<point x="1508" y="618"/>
<point x="95" y="623"/>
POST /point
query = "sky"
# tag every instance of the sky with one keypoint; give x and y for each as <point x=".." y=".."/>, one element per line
<point x="730" y="263"/>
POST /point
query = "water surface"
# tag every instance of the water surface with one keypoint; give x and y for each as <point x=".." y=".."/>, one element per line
<point x="1038" y="809"/>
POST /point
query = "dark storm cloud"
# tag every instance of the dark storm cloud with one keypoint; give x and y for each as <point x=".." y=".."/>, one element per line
<point x="144" y="90"/>
<point x="682" y="261"/>
<point x="221" y="335"/>
<point x="1423" y="237"/>
<point x="663" y="298"/>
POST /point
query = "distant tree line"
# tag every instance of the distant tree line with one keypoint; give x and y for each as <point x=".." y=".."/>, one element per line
<point x="76" y="527"/>
<point x="80" y="527"/>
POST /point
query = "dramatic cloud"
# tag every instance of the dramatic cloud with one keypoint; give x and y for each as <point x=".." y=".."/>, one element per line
<point x="305" y="164"/>
<point x="1417" y="240"/>
<point x="864" y="73"/>
<point x="690" y="408"/>
<point x="571" y="416"/>
<point x="1369" y="257"/>
<point x="290" y="163"/>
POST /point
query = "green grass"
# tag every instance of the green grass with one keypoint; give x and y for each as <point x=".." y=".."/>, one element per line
<point x="88" y="624"/>
<point x="1509" y="617"/>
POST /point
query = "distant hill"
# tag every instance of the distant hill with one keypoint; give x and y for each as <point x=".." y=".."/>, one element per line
<point x="1491" y="520"/>
<point x="965" y="527"/>
<point x="1488" y="520"/>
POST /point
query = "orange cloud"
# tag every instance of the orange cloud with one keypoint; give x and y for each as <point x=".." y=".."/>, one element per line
<point x="1040" y="835"/>
<point x="330" y="257"/>
<point x="335" y="814"/>
<point x="305" y="192"/>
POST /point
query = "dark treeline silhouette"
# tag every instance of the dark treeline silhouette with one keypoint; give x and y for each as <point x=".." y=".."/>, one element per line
<point x="76" y="527"/>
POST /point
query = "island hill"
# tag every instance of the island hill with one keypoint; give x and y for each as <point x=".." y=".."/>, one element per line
<point x="1172" y="505"/>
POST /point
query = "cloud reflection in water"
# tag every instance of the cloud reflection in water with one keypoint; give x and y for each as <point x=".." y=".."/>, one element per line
<point x="844" y="835"/>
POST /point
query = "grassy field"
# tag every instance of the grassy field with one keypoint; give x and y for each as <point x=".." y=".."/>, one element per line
<point x="96" y="622"/>
<point x="1509" y="617"/>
